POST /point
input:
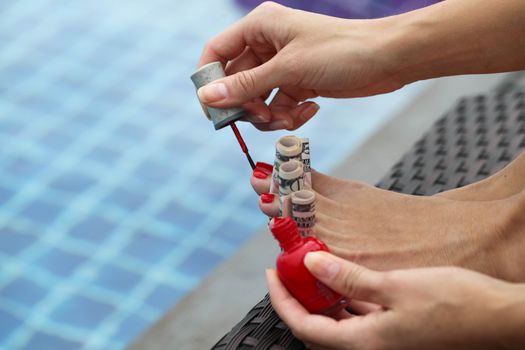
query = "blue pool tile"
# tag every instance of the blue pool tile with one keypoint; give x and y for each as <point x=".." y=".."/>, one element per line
<point x="60" y="262"/>
<point x="164" y="296"/>
<point x="116" y="278"/>
<point x="93" y="228"/>
<point x="178" y="214"/>
<point x="44" y="341"/>
<point x="42" y="103"/>
<point x="41" y="212"/>
<point x="127" y="199"/>
<point x="73" y="182"/>
<point x="104" y="154"/>
<point x="149" y="247"/>
<point x="13" y="242"/>
<point x="23" y="166"/>
<point x="233" y="232"/>
<point x="23" y="291"/>
<point x="10" y="127"/>
<point x="153" y="171"/>
<point x="199" y="262"/>
<point x="131" y="328"/>
<point x="56" y="140"/>
<point x="130" y="131"/>
<point x="5" y="194"/>
<point x="204" y="187"/>
<point x="83" y="312"/>
<point x="8" y="323"/>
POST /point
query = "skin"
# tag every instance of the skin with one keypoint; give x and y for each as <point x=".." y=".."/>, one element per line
<point x="272" y="48"/>
<point x="427" y="308"/>
<point x="480" y="226"/>
<point x="300" y="56"/>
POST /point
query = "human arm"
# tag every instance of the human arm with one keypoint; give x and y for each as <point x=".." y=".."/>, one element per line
<point x="428" y="308"/>
<point x="307" y="55"/>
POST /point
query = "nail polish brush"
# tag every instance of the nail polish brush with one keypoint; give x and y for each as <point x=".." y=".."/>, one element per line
<point x="221" y="117"/>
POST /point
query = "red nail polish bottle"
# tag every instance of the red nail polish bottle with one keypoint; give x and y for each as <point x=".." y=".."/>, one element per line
<point x="312" y="294"/>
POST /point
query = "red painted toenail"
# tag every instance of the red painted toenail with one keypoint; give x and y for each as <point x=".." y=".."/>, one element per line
<point x="267" y="197"/>
<point x="260" y="174"/>
<point x="264" y="167"/>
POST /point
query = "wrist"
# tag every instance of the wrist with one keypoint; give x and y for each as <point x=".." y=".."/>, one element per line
<point x="425" y="44"/>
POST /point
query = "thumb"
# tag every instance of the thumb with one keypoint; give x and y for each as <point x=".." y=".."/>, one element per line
<point x="348" y="279"/>
<point x="241" y="87"/>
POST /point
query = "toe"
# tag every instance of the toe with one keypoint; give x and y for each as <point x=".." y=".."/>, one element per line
<point x="261" y="177"/>
<point x="269" y="204"/>
<point x="334" y="188"/>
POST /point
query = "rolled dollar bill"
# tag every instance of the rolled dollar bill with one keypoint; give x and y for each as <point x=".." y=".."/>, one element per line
<point x="290" y="180"/>
<point x="305" y="158"/>
<point x="286" y="148"/>
<point x="303" y="211"/>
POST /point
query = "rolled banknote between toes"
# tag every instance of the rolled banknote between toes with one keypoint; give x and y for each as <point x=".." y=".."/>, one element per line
<point x="286" y="148"/>
<point x="303" y="211"/>
<point x="305" y="158"/>
<point x="290" y="180"/>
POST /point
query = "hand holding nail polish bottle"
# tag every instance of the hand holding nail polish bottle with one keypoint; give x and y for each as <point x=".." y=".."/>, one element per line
<point x="313" y="295"/>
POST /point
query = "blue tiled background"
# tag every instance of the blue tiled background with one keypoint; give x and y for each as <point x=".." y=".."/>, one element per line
<point x="116" y="196"/>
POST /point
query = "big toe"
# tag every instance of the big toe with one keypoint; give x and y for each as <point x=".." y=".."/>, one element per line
<point x="261" y="177"/>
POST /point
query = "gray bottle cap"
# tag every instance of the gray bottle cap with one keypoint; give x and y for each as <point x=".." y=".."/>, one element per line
<point x="219" y="116"/>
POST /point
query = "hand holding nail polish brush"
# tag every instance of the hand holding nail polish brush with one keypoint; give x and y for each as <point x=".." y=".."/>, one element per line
<point x="221" y="117"/>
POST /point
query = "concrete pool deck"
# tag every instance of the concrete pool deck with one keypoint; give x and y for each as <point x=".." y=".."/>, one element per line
<point x="205" y="315"/>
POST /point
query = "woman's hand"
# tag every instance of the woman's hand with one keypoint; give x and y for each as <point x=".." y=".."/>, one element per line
<point x="303" y="54"/>
<point x="428" y="308"/>
<point x="307" y="55"/>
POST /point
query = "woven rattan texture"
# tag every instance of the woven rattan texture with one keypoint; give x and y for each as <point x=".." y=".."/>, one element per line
<point x="476" y="138"/>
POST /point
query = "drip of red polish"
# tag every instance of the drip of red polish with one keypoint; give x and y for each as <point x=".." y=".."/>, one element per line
<point x="267" y="198"/>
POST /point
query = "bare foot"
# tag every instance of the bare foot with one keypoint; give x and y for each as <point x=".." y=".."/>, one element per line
<point x="387" y="230"/>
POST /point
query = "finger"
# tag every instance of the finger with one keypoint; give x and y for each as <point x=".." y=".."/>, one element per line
<point x="241" y="87"/>
<point x="225" y="46"/>
<point x="294" y="118"/>
<point x="261" y="177"/>
<point x="315" y="329"/>
<point x="362" y="307"/>
<point x="257" y="112"/>
<point x="347" y="278"/>
<point x="246" y="60"/>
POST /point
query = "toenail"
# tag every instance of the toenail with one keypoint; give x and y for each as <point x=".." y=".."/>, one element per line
<point x="267" y="198"/>
<point x="260" y="174"/>
<point x="264" y="167"/>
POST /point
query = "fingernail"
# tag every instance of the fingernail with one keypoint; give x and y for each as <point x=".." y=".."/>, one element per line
<point x="279" y="124"/>
<point x="267" y="198"/>
<point x="212" y="92"/>
<point x="310" y="111"/>
<point x="260" y="174"/>
<point x="321" y="265"/>
<point x="264" y="167"/>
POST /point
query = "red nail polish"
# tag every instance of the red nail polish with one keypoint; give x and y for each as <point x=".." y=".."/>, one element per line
<point x="264" y="167"/>
<point x="267" y="197"/>
<point x="259" y="174"/>
<point x="313" y="295"/>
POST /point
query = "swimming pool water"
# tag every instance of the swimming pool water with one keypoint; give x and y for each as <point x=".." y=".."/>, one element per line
<point x="116" y="196"/>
